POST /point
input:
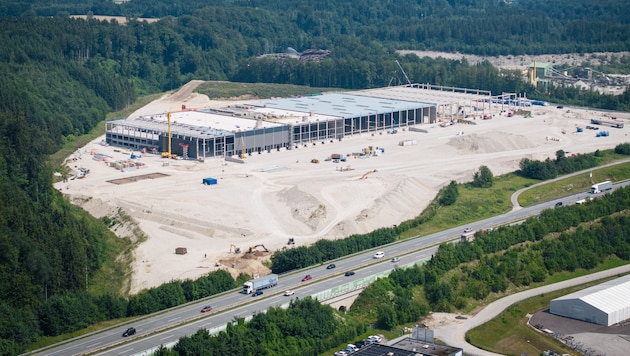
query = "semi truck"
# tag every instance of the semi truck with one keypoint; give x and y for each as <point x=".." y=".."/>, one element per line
<point x="257" y="284"/>
<point x="601" y="187"/>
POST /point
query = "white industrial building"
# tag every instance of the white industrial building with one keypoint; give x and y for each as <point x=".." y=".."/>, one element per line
<point x="604" y="304"/>
<point x="265" y="125"/>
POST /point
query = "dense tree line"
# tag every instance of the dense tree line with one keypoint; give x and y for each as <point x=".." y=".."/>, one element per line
<point x="549" y="169"/>
<point x="305" y="328"/>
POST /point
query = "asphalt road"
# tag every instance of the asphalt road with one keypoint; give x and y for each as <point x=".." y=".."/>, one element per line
<point x="170" y="325"/>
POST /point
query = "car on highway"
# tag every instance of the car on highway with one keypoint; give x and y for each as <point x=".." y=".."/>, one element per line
<point x="331" y="266"/>
<point x="395" y="259"/>
<point x="379" y="254"/>
<point x="307" y="278"/>
<point x="289" y="292"/>
<point x="129" y="332"/>
<point x="559" y="203"/>
<point x="206" y="309"/>
<point x="257" y="293"/>
<point x="349" y="273"/>
<point x="468" y="229"/>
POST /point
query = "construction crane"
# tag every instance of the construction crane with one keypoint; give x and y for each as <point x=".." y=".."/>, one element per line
<point x="403" y="72"/>
<point x="243" y="155"/>
<point x="169" y="153"/>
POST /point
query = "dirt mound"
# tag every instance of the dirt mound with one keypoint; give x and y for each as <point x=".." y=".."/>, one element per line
<point x="490" y="142"/>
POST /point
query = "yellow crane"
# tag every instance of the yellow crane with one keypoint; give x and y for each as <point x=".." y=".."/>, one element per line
<point x="169" y="153"/>
<point x="243" y="155"/>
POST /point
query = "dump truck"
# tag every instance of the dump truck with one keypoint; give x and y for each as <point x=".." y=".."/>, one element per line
<point x="601" y="187"/>
<point x="268" y="281"/>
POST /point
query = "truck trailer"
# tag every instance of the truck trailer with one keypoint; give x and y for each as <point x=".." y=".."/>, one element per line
<point x="601" y="187"/>
<point x="263" y="282"/>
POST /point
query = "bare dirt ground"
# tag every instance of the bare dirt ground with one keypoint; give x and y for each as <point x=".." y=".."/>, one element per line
<point x="280" y="195"/>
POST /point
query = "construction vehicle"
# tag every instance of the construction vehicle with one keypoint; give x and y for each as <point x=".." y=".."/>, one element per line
<point x="257" y="284"/>
<point x="367" y="174"/>
<point x="234" y="249"/>
<point x="314" y="160"/>
<point x="243" y="154"/>
<point x="253" y="249"/>
<point x="169" y="153"/>
<point x="291" y="241"/>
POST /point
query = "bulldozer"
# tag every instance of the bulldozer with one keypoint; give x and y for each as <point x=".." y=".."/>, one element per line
<point x="253" y="249"/>
<point x="234" y="249"/>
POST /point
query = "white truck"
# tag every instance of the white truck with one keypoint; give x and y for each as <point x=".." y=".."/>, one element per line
<point x="601" y="187"/>
<point x="268" y="281"/>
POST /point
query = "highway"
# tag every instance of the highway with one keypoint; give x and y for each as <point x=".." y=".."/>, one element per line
<point x="169" y="326"/>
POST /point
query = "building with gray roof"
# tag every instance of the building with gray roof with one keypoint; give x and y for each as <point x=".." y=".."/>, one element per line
<point x="604" y="304"/>
<point x="265" y="125"/>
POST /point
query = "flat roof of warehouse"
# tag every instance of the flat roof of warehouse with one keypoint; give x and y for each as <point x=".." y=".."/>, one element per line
<point x="341" y="104"/>
<point x="427" y="94"/>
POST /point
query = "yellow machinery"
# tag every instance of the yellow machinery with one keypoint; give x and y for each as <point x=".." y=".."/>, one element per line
<point x="367" y="174"/>
<point x="243" y="155"/>
<point x="255" y="248"/>
<point x="169" y="153"/>
<point x="234" y="249"/>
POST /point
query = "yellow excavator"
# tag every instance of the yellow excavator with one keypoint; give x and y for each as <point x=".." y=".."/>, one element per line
<point x="367" y="174"/>
<point x="234" y="249"/>
<point x="256" y="248"/>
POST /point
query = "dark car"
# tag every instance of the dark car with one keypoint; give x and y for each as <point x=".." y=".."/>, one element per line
<point x="559" y="203"/>
<point x="129" y="332"/>
<point x="331" y="266"/>
<point x="257" y="293"/>
<point x="206" y="309"/>
<point x="349" y="273"/>
<point x="307" y="278"/>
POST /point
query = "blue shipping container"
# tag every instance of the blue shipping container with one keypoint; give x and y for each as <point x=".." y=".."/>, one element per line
<point x="209" y="181"/>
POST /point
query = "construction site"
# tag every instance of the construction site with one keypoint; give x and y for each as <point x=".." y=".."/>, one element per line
<point x="266" y="175"/>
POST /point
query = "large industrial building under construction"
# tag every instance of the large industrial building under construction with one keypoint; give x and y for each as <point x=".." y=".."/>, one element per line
<point x="265" y="125"/>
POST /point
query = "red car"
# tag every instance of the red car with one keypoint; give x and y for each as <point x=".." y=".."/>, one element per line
<point x="307" y="278"/>
<point x="206" y="309"/>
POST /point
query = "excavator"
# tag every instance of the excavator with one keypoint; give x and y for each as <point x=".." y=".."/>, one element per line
<point x="367" y="174"/>
<point x="253" y="249"/>
<point x="234" y="249"/>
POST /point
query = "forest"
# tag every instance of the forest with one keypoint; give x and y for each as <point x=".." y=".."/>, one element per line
<point x="60" y="77"/>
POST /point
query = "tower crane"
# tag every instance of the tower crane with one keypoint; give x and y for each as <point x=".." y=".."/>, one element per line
<point x="243" y="155"/>
<point x="169" y="153"/>
<point x="403" y="72"/>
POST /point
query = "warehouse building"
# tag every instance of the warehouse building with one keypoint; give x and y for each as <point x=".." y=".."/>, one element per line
<point x="265" y="125"/>
<point x="604" y="304"/>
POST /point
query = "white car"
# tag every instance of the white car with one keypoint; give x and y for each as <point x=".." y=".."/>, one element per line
<point x="468" y="229"/>
<point x="341" y="353"/>
<point x="375" y="338"/>
<point x="289" y="292"/>
<point x="379" y="254"/>
<point x="395" y="259"/>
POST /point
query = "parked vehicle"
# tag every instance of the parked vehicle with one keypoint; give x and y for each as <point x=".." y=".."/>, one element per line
<point x="268" y="281"/>
<point x="352" y="348"/>
<point x="307" y="278"/>
<point x="375" y="338"/>
<point x="601" y="187"/>
<point x="129" y="332"/>
<point x="331" y="266"/>
<point x="206" y="309"/>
